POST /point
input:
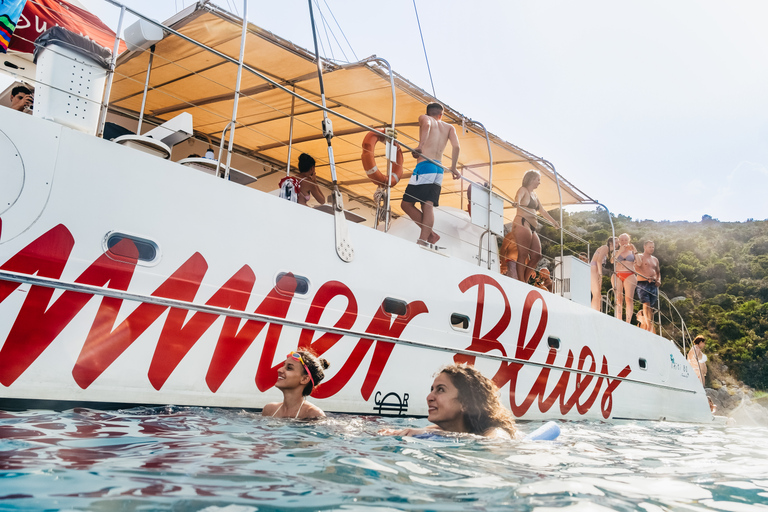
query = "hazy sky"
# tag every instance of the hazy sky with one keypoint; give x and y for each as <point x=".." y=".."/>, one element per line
<point x="656" y="108"/>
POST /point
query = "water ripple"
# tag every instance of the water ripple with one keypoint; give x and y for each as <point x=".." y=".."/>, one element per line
<point x="192" y="459"/>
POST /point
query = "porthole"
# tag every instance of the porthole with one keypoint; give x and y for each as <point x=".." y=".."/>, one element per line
<point x="460" y="322"/>
<point x="394" y="306"/>
<point x="553" y="342"/>
<point x="302" y="284"/>
<point x="642" y="363"/>
<point x="124" y="247"/>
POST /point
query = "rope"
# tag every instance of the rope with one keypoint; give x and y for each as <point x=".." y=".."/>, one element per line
<point x="425" y="49"/>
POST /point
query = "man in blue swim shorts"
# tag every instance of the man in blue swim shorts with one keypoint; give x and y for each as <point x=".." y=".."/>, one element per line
<point x="648" y="281"/>
<point x="427" y="179"/>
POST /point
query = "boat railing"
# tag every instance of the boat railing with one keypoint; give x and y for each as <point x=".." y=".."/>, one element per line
<point x="164" y="302"/>
<point x="667" y="321"/>
<point x="671" y="323"/>
<point x="487" y="244"/>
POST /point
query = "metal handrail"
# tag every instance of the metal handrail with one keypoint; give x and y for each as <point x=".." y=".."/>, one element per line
<point x="242" y="66"/>
<point x="47" y="282"/>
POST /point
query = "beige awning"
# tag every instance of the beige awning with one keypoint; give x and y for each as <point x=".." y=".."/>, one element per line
<point x="187" y="78"/>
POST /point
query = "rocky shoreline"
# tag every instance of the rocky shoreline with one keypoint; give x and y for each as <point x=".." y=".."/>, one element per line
<point x="734" y="399"/>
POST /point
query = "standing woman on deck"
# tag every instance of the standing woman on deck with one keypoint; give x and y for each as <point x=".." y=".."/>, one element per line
<point x="596" y="270"/>
<point x="624" y="279"/>
<point x="298" y="376"/>
<point x="525" y="226"/>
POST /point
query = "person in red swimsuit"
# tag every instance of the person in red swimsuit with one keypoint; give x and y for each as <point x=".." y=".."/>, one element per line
<point x="624" y="280"/>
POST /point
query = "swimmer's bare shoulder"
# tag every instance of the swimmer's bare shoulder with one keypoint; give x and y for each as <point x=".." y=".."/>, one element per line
<point x="270" y="409"/>
<point x="311" y="412"/>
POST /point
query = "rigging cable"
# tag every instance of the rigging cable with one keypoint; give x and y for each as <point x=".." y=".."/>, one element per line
<point x="425" y="49"/>
<point x="342" y="33"/>
<point x="325" y="28"/>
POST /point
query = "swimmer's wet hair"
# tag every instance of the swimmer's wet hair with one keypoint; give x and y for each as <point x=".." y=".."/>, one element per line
<point x="316" y="365"/>
<point x="479" y="397"/>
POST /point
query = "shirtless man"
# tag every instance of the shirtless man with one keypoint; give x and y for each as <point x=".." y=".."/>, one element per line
<point x="424" y="186"/>
<point x="648" y="282"/>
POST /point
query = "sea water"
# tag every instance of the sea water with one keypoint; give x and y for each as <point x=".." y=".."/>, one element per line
<point x="192" y="459"/>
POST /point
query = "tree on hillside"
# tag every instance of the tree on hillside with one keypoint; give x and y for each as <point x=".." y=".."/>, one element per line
<point x="718" y="271"/>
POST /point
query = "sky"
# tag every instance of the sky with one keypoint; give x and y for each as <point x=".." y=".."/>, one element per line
<point x="656" y="108"/>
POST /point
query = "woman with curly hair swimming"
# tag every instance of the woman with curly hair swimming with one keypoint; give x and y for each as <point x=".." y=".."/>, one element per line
<point x="298" y="376"/>
<point x="463" y="400"/>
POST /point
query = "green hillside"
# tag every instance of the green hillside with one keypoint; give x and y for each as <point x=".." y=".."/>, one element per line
<point x="715" y="273"/>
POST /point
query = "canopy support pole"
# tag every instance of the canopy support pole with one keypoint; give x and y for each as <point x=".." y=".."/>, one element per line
<point x="490" y="189"/>
<point x="111" y="73"/>
<point x="391" y="137"/>
<point x="146" y="88"/>
<point x="344" y="248"/>
<point x="290" y="135"/>
<point x="237" y="91"/>
<point x="560" y="197"/>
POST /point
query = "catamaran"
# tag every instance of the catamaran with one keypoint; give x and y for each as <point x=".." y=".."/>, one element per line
<point x="146" y="258"/>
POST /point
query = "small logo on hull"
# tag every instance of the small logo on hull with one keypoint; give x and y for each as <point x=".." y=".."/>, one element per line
<point x="391" y="404"/>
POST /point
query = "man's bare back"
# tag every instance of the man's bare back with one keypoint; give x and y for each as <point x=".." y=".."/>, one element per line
<point x="434" y="135"/>
<point x="424" y="185"/>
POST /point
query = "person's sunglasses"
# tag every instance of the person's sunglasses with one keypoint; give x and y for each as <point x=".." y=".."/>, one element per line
<point x="297" y="357"/>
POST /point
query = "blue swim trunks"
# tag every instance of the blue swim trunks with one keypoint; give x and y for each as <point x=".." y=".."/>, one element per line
<point x="648" y="293"/>
<point x="426" y="173"/>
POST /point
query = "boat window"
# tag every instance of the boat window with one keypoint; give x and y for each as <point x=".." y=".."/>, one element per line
<point x="460" y="322"/>
<point x="394" y="306"/>
<point x="642" y="363"/>
<point x="302" y="284"/>
<point x="553" y="342"/>
<point x="140" y="249"/>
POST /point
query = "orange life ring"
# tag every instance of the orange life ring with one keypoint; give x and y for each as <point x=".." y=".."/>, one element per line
<point x="369" y="162"/>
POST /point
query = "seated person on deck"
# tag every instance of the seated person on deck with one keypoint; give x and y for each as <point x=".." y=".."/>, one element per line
<point x="463" y="400"/>
<point x="508" y="255"/>
<point x="300" y="189"/>
<point x="22" y="99"/>
<point x="544" y="280"/>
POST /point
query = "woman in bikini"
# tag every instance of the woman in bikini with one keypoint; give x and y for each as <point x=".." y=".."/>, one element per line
<point x="525" y="226"/>
<point x="624" y="280"/>
<point x="596" y="271"/>
<point x="308" y="186"/>
<point x="298" y="376"/>
<point x="463" y="400"/>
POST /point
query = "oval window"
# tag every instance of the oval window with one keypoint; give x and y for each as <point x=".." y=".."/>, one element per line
<point x="460" y="322"/>
<point x="285" y="285"/>
<point x="132" y="248"/>
<point x="394" y="306"/>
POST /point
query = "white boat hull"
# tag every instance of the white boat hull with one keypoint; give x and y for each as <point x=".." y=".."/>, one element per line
<point x="222" y="245"/>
